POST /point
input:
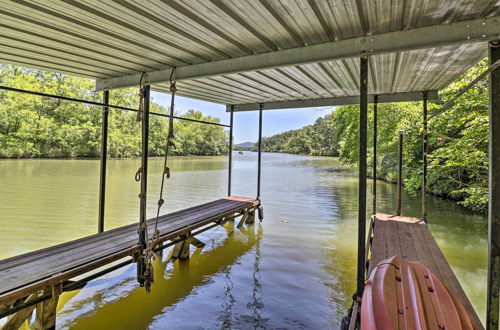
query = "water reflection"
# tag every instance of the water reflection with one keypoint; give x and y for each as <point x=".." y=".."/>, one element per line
<point x="256" y="305"/>
<point x="98" y="305"/>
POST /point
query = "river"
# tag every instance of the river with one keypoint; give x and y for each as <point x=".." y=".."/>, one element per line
<point x="294" y="270"/>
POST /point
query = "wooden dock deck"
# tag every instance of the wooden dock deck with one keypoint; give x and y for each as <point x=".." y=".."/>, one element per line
<point x="411" y="239"/>
<point x="40" y="270"/>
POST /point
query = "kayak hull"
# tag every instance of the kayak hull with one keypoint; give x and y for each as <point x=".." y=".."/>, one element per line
<point x="407" y="295"/>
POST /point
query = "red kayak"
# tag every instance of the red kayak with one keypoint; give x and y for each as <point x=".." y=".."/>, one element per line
<point x="406" y="295"/>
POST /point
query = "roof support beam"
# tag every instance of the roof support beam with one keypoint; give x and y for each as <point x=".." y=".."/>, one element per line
<point x="426" y="37"/>
<point x="335" y="101"/>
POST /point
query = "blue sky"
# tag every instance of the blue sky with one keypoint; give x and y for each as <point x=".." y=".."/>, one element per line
<point x="246" y="123"/>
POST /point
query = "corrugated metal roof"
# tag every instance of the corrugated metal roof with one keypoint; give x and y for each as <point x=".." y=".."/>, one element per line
<point x="103" y="39"/>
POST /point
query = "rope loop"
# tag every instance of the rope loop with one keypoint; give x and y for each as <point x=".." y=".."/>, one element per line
<point x="166" y="171"/>
<point x="173" y="88"/>
<point x="138" y="174"/>
<point x="172" y="81"/>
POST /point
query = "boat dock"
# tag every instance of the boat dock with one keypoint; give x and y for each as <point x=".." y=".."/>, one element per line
<point x="40" y="276"/>
<point x="251" y="56"/>
<point x="411" y="239"/>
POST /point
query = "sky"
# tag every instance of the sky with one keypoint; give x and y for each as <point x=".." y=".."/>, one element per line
<point x="246" y="123"/>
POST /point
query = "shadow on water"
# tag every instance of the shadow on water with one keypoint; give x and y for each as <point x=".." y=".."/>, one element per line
<point x="98" y="305"/>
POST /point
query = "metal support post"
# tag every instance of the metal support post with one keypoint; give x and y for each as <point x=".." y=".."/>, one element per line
<point x="425" y="152"/>
<point x="375" y="135"/>
<point x="259" y="167"/>
<point x="141" y="265"/>
<point x="104" y="155"/>
<point x="363" y="133"/>
<point x="230" y="166"/>
<point x="400" y="173"/>
<point x="492" y="310"/>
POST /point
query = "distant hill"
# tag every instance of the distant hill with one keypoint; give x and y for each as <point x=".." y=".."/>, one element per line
<point x="244" y="146"/>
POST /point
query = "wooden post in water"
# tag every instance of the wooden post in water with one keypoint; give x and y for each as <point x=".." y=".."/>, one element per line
<point x="400" y="173"/>
<point x="363" y="133"/>
<point x="181" y="250"/>
<point x="492" y="310"/>
<point x="46" y="310"/>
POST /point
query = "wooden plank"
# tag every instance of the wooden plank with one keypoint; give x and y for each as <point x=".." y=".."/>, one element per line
<point x="412" y="240"/>
<point x="83" y="253"/>
<point x="392" y="243"/>
<point x="86" y="241"/>
<point x="378" y="250"/>
<point x="407" y="247"/>
<point x="111" y="242"/>
<point x="92" y="252"/>
<point x="399" y="218"/>
<point x="423" y="253"/>
<point x="448" y="277"/>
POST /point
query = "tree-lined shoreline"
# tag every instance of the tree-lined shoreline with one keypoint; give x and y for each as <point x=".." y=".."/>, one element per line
<point x="39" y="127"/>
<point x="458" y="142"/>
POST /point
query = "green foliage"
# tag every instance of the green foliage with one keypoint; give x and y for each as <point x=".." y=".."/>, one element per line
<point x="316" y="139"/>
<point x="458" y="142"/>
<point x="33" y="126"/>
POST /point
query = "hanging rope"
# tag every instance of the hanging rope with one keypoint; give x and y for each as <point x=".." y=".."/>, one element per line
<point x="138" y="174"/>
<point x="170" y="144"/>
<point x="141" y="96"/>
<point x="149" y="254"/>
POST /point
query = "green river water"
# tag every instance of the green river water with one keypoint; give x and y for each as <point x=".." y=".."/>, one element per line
<point x="294" y="270"/>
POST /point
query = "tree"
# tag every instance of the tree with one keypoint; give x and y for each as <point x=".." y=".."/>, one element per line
<point x="458" y="141"/>
<point x="34" y="126"/>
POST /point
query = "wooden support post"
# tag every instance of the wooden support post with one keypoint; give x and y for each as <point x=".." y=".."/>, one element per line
<point x="16" y="321"/>
<point x="251" y="217"/>
<point x="492" y="310"/>
<point x="196" y="242"/>
<point x="229" y="225"/>
<point x="46" y="310"/>
<point x="181" y="250"/>
<point x="243" y="219"/>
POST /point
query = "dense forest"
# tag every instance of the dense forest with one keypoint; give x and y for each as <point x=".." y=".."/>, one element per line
<point x="34" y="126"/>
<point x="458" y="141"/>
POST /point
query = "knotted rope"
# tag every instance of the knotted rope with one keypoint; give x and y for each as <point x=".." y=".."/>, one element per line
<point x="149" y="254"/>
